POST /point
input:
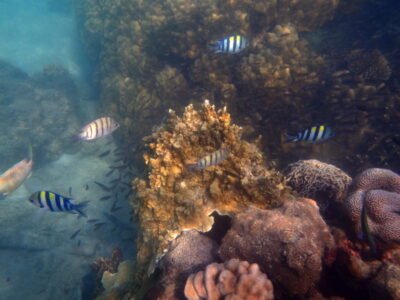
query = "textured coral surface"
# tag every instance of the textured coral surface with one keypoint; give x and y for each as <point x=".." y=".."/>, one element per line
<point x="379" y="191"/>
<point x="233" y="279"/>
<point x="288" y="243"/>
<point x="174" y="199"/>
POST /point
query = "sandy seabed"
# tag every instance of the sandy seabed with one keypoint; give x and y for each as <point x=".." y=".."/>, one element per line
<point x="38" y="258"/>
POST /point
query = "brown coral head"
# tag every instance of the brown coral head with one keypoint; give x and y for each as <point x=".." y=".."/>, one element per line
<point x="233" y="279"/>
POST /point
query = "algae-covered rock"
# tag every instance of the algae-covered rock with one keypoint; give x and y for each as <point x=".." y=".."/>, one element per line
<point x="174" y="198"/>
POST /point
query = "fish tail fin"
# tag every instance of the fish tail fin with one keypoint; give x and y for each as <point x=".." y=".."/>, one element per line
<point x="75" y="138"/>
<point x="213" y="47"/>
<point x="79" y="208"/>
<point x="290" y="138"/>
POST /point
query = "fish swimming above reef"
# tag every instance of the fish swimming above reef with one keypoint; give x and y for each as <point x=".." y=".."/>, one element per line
<point x="97" y="129"/>
<point x="56" y="203"/>
<point x="210" y="160"/>
<point x="15" y="176"/>
<point x="312" y="134"/>
<point x="230" y="45"/>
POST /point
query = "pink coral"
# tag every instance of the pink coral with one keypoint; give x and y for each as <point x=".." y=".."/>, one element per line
<point x="232" y="280"/>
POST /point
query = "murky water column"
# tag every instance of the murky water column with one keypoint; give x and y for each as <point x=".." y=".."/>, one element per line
<point x="45" y="254"/>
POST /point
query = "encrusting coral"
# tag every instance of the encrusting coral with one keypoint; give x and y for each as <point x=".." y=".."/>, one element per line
<point x="233" y="279"/>
<point x="379" y="191"/>
<point x="291" y="243"/>
<point x="175" y="199"/>
<point x="319" y="181"/>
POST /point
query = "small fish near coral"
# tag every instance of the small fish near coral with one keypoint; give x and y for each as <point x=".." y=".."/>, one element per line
<point x="312" y="134"/>
<point x="212" y="159"/>
<point x="56" y="203"/>
<point x="98" y="128"/>
<point x="229" y="45"/>
<point x="11" y="179"/>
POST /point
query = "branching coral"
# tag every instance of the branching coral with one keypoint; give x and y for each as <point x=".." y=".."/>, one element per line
<point x="319" y="181"/>
<point x="174" y="199"/>
<point x="379" y="191"/>
<point x="233" y="279"/>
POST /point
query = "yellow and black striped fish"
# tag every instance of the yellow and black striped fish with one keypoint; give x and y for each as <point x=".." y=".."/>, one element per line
<point x="231" y="44"/>
<point x="98" y="128"/>
<point x="312" y="134"/>
<point x="56" y="203"/>
<point x="210" y="160"/>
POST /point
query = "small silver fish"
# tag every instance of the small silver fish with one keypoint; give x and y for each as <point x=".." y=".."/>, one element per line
<point x="231" y="44"/>
<point x="56" y="203"/>
<point x="210" y="160"/>
<point x="98" y="128"/>
<point x="312" y="134"/>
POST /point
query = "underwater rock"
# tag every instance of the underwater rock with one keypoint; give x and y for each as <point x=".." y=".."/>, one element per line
<point x="174" y="198"/>
<point x="190" y="252"/>
<point x="290" y="243"/>
<point x="319" y="181"/>
<point x="233" y="279"/>
<point x="43" y="117"/>
<point x="379" y="191"/>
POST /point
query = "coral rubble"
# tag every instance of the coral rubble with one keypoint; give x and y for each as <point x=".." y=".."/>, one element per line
<point x="233" y="279"/>
<point x="379" y="191"/>
<point x="175" y="199"/>
<point x="290" y="243"/>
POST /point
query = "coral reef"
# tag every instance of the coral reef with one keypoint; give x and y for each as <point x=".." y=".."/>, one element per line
<point x="175" y="199"/>
<point x="319" y="181"/>
<point x="379" y="191"/>
<point x="233" y="279"/>
<point x="34" y="113"/>
<point x="151" y="56"/>
<point x="290" y="244"/>
<point x="101" y="265"/>
<point x="370" y="66"/>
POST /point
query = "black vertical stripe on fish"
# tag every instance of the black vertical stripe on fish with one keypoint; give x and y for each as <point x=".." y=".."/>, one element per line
<point x="58" y="202"/>
<point x="323" y="134"/>
<point x="234" y="43"/>
<point x="104" y="187"/>
<point x="105" y="153"/>
<point x="307" y="134"/>
<point x="66" y="205"/>
<point x="40" y="200"/>
<point x="74" y="234"/>
<point x="97" y="134"/>
<point x="48" y="202"/>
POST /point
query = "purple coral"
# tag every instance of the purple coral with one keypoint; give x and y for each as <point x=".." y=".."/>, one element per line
<point x="379" y="191"/>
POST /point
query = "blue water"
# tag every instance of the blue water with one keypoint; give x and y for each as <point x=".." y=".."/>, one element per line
<point x="36" y="33"/>
<point x="38" y="258"/>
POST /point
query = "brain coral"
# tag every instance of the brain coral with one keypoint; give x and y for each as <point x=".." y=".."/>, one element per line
<point x="174" y="199"/>
<point x="233" y="279"/>
<point x="379" y="191"/>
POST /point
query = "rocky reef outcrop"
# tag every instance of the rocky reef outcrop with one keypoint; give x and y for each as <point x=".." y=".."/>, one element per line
<point x="174" y="198"/>
<point x="35" y="112"/>
<point x="290" y="243"/>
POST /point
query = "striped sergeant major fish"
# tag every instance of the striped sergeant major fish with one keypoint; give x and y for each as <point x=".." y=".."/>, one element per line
<point x="210" y="160"/>
<point x="98" y="128"/>
<point x="312" y="134"/>
<point x="56" y="203"/>
<point x="231" y="44"/>
<point x="15" y="176"/>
